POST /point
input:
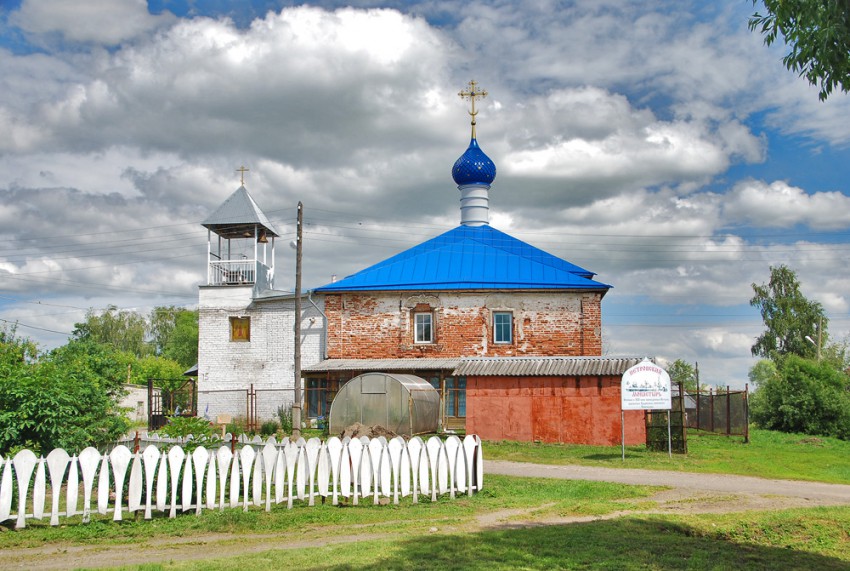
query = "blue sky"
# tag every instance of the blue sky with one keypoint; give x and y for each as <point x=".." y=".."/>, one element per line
<point x="659" y="144"/>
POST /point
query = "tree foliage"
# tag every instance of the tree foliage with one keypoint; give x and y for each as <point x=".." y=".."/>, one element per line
<point x="818" y="35"/>
<point x="174" y="334"/>
<point x="70" y="396"/>
<point x="763" y="373"/>
<point x="67" y="398"/>
<point x="168" y="332"/>
<point x="788" y="316"/>
<point x="124" y="330"/>
<point x="801" y="395"/>
<point x="684" y="372"/>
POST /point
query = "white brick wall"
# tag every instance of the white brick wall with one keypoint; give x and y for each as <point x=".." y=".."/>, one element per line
<point x="266" y="361"/>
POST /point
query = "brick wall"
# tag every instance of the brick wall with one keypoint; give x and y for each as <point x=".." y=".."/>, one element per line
<point x="380" y="325"/>
<point x="568" y="410"/>
<point x="227" y="368"/>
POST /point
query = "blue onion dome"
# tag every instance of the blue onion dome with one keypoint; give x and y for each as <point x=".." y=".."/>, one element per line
<point x="473" y="167"/>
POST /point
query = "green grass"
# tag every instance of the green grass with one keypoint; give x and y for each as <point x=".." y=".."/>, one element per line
<point x="794" y="539"/>
<point x="768" y="455"/>
<point x="499" y="493"/>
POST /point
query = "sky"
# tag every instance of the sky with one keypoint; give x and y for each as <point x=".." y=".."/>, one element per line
<point x="659" y="144"/>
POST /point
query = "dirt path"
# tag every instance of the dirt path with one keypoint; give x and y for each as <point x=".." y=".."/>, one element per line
<point x="811" y="493"/>
<point x="687" y="493"/>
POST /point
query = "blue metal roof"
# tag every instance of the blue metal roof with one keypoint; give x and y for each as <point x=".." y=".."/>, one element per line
<point x="469" y="257"/>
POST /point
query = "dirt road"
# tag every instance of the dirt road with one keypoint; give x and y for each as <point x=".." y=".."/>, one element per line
<point x="814" y="493"/>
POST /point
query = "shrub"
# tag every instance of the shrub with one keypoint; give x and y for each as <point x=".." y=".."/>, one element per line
<point x="202" y="431"/>
<point x="268" y="428"/>
<point x="66" y="399"/>
<point x="803" y="396"/>
<point x="284" y="413"/>
<point x="234" y="428"/>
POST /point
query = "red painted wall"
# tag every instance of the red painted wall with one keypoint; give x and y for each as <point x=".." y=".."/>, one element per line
<point x="568" y="410"/>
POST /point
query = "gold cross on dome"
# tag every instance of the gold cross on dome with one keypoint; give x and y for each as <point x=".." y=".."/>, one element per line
<point x="472" y="93"/>
<point x="242" y="170"/>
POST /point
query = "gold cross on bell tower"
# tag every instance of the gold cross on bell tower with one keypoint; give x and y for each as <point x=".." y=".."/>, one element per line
<point x="242" y="170"/>
<point x="472" y="93"/>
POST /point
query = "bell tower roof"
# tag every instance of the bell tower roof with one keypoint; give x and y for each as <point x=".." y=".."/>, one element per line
<point x="238" y="214"/>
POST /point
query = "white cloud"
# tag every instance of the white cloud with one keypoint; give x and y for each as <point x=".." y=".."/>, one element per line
<point x="107" y="22"/>
<point x="593" y="142"/>
<point x="780" y="205"/>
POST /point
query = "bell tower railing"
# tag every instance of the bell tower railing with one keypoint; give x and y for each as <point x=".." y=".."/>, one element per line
<point x="232" y="272"/>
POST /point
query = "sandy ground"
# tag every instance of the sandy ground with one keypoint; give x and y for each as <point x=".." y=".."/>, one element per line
<point x="687" y="493"/>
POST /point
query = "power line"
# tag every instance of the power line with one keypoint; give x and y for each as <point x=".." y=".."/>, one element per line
<point x="19" y="324"/>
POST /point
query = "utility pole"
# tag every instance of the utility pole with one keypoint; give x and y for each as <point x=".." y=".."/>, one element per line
<point x="820" y="339"/>
<point x="296" y="405"/>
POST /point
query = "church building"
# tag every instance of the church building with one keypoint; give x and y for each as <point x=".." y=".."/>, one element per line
<point x="509" y="335"/>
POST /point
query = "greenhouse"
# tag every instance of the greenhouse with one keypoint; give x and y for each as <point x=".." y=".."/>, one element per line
<point x="404" y="404"/>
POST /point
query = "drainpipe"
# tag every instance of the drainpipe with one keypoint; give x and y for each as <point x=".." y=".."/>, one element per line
<point x="325" y="324"/>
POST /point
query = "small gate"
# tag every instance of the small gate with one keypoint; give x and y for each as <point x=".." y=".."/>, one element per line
<point x="162" y="403"/>
<point x="656" y="428"/>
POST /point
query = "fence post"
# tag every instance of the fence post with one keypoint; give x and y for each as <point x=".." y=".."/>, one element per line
<point x="728" y="413"/>
<point x="711" y="409"/>
<point x="699" y="398"/>
<point x="747" y="413"/>
<point x="136" y="443"/>
<point x="682" y="414"/>
<point x="150" y="404"/>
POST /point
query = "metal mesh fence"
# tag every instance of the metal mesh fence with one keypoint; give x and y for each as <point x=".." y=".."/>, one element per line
<point x="251" y="406"/>
<point x="723" y="412"/>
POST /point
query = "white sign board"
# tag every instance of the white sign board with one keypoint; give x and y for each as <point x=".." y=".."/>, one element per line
<point x="646" y="386"/>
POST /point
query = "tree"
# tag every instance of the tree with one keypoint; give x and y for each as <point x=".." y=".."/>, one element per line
<point x="801" y="395"/>
<point x="124" y="330"/>
<point x="763" y="373"/>
<point x="684" y="372"/>
<point x="818" y="34"/>
<point x="67" y="398"/>
<point x="174" y="334"/>
<point x="792" y="321"/>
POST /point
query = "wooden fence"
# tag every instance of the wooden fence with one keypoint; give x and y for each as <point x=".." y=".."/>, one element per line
<point x="254" y="474"/>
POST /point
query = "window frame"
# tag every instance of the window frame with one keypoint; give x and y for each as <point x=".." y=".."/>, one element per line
<point x="416" y="316"/>
<point x="499" y="327"/>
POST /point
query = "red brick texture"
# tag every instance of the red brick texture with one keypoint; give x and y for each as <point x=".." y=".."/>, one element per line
<point x="568" y="410"/>
<point x="378" y="325"/>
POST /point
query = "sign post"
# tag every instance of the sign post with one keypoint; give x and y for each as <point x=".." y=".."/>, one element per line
<point x="646" y="386"/>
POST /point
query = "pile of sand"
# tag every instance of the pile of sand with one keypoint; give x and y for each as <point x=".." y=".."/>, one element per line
<point x="357" y="430"/>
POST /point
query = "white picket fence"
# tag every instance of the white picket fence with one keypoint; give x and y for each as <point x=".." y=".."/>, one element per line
<point x="257" y="474"/>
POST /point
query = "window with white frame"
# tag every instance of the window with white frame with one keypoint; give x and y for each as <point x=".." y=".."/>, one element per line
<point x="502" y="327"/>
<point x="423" y="324"/>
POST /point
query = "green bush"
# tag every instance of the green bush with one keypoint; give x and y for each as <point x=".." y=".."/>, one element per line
<point x="284" y="413"/>
<point x="65" y="399"/>
<point x="235" y="428"/>
<point x="203" y="432"/>
<point x="269" y="427"/>
<point x="803" y="396"/>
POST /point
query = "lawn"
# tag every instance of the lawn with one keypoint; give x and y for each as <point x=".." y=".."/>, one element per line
<point x="769" y="454"/>
<point x="798" y="539"/>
